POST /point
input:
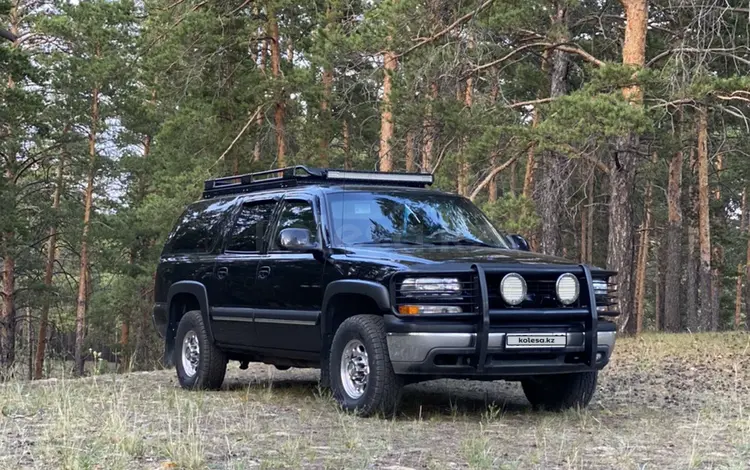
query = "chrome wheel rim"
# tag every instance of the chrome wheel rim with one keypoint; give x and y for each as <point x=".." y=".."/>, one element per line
<point x="355" y="368"/>
<point x="190" y="353"/>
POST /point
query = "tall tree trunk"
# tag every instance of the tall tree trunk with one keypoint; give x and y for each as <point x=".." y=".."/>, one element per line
<point x="8" y="318"/>
<point x="49" y="268"/>
<point x="622" y="176"/>
<point x="273" y="27"/>
<point x="717" y="259"/>
<point x="673" y="259"/>
<point x="390" y="62"/>
<point x="705" y="293"/>
<point x="463" y="162"/>
<point x="347" y="145"/>
<point x="492" y="185"/>
<point x="325" y="114"/>
<point x="554" y="183"/>
<point x="531" y="163"/>
<point x="262" y="53"/>
<point x="634" y="45"/>
<point x="643" y="249"/>
<point x="747" y="276"/>
<point x="88" y="203"/>
<point x="738" y="287"/>
<point x="528" y="177"/>
<point x="492" y="190"/>
<point x="582" y="239"/>
<point x="659" y="294"/>
<point x="691" y="264"/>
<point x="428" y="130"/>
<point x="590" y="216"/>
<point x="410" y="163"/>
<point x="8" y="291"/>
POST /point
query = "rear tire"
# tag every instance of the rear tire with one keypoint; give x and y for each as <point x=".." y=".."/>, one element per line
<point x="561" y="391"/>
<point x="360" y="370"/>
<point x="200" y="364"/>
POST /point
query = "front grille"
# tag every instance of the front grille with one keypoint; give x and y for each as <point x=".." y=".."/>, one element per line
<point x="540" y="293"/>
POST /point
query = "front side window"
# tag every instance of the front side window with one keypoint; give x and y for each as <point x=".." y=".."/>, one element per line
<point x="401" y="217"/>
<point x="250" y="227"/>
<point x="296" y="214"/>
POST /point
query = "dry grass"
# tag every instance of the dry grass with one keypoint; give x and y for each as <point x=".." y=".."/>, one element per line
<point x="678" y="401"/>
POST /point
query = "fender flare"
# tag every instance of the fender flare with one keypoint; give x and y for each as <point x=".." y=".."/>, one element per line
<point x="374" y="290"/>
<point x="197" y="290"/>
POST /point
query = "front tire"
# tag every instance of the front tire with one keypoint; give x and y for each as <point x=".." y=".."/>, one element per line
<point x="360" y="370"/>
<point x="200" y="364"/>
<point x="560" y="391"/>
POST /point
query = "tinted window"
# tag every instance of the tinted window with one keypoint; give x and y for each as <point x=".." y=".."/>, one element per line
<point x="252" y="221"/>
<point x="297" y="214"/>
<point x="198" y="229"/>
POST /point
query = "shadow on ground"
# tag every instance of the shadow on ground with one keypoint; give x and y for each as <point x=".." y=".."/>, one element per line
<point x="434" y="398"/>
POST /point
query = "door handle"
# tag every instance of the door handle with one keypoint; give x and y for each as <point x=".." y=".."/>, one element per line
<point x="222" y="272"/>
<point x="264" y="272"/>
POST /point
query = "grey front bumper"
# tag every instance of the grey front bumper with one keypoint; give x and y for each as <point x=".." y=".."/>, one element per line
<point x="413" y="352"/>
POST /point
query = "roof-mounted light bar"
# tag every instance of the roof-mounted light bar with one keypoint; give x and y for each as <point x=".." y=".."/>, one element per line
<point x="292" y="176"/>
<point x="416" y="178"/>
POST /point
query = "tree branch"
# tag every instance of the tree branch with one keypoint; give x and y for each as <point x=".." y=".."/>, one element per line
<point x="597" y="163"/>
<point x="566" y="47"/>
<point x="442" y="154"/>
<point x="507" y="56"/>
<point x="243" y="5"/>
<point x="445" y="31"/>
<point x="242" y="132"/>
<point x="578" y="51"/>
<point x="529" y="103"/>
<point x="7" y="35"/>
<point x="697" y="50"/>
<point x="491" y="175"/>
<point x="736" y="95"/>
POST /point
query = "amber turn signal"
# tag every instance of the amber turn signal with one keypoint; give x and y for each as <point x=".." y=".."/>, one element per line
<point x="408" y="309"/>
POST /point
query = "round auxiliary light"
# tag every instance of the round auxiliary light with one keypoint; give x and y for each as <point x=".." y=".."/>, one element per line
<point x="513" y="289"/>
<point x="567" y="288"/>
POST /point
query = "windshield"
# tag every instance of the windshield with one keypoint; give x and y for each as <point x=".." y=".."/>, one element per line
<point x="369" y="218"/>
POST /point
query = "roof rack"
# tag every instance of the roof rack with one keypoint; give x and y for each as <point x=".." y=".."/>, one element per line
<point x="300" y="174"/>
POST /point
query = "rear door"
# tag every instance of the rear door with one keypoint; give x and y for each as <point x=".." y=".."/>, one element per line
<point x="289" y="283"/>
<point x="236" y="268"/>
<point x="193" y="245"/>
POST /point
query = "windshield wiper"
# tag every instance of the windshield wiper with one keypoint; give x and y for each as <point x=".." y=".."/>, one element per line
<point x="387" y="241"/>
<point x="460" y="241"/>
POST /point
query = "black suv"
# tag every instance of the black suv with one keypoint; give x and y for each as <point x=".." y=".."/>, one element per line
<point x="377" y="281"/>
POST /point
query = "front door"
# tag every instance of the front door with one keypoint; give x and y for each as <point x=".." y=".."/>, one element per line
<point x="291" y="285"/>
<point x="236" y="270"/>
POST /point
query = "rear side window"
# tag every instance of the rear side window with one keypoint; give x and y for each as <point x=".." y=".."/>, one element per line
<point x="252" y="222"/>
<point x="198" y="228"/>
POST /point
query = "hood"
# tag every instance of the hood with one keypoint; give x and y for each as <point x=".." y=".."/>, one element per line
<point x="450" y="254"/>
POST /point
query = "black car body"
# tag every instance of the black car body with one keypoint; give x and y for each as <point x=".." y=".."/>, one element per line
<point x="269" y="264"/>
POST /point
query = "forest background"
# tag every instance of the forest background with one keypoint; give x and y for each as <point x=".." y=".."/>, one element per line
<point x="610" y="132"/>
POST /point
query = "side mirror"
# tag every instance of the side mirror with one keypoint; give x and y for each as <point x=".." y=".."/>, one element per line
<point x="296" y="239"/>
<point x="517" y="242"/>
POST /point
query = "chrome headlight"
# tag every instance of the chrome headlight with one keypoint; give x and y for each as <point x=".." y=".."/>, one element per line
<point x="418" y="286"/>
<point x="600" y="287"/>
<point x="513" y="289"/>
<point x="567" y="288"/>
